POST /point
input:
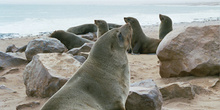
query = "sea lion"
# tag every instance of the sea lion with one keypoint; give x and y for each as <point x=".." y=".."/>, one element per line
<point x="165" y="26"/>
<point x="70" y="40"/>
<point x="102" y="27"/>
<point x="102" y="82"/>
<point x="82" y="29"/>
<point x="112" y="25"/>
<point x="86" y="28"/>
<point x="141" y="44"/>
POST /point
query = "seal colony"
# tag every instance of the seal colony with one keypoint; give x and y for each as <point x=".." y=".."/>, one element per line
<point x="102" y="82"/>
<point x="141" y="44"/>
<point x="165" y="26"/>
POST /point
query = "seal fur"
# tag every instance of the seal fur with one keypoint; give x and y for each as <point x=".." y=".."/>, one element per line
<point x="141" y="44"/>
<point x="82" y="29"/>
<point x="102" y="27"/>
<point x="165" y="26"/>
<point x="102" y="82"/>
<point x="70" y="40"/>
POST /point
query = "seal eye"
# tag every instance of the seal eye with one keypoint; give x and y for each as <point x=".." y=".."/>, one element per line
<point x="120" y="40"/>
<point x="120" y="37"/>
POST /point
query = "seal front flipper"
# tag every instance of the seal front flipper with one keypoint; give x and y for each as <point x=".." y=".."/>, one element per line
<point x="136" y="48"/>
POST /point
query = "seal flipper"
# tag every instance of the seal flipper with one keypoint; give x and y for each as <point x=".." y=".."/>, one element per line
<point x="136" y="49"/>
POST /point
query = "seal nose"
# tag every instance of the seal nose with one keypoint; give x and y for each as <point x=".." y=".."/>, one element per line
<point x="95" y="21"/>
<point x="161" y="17"/>
<point x="126" y="19"/>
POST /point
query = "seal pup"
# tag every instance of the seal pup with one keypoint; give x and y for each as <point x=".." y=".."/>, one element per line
<point x="102" y="27"/>
<point x="70" y="40"/>
<point x="102" y="82"/>
<point x="165" y="26"/>
<point x="141" y="44"/>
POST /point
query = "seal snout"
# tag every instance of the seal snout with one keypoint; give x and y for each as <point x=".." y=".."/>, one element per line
<point x="95" y="21"/>
<point x="126" y="19"/>
<point x="161" y="17"/>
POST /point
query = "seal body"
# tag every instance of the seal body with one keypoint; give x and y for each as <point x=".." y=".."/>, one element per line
<point x="83" y="29"/>
<point x="70" y="40"/>
<point x="165" y="26"/>
<point x="141" y="44"/>
<point x="102" y="82"/>
<point x="102" y="27"/>
<point x="113" y="25"/>
<point x="86" y="28"/>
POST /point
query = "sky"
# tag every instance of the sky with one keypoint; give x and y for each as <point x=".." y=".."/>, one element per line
<point x="98" y="2"/>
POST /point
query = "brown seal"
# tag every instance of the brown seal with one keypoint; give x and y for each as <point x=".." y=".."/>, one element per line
<point x="87" y="28"/>
<point x="141" y="44"/>
<point x="102" y="27"/>
<point x="113" y="25"/>
<point x="102" y="82"/>
<point x="82" y="29"/>
<point x="165" y="26"/>
<point x="70" y="40"/>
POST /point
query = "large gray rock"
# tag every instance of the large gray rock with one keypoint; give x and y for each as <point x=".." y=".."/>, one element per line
<point x="177" y="90"/>
<point x="49" y="45"/>
<point x="144" y="95"/>
<point x="7" y="60"/>
<point x="191" y="51"/>
<point x="47" y="73"/>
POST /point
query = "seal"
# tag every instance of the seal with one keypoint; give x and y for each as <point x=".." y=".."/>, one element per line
<point x="165" y="26"/>
<point x="102" y="82"/>
<point x="113" y="25"/>
<point x="82" y="29"/>
<point x="70" y="40"/>
<point x="86" y="28"/>
<point x="102" y="27"/>
<point x="141" y="44"/>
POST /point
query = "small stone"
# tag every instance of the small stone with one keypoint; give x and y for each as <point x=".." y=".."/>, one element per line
<point x="28" y="105"/>
<point x="3" y="79"/>
<point x="176" y="90"/>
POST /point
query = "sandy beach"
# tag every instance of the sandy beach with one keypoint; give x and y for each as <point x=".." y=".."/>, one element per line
<point x="142" y="67"/>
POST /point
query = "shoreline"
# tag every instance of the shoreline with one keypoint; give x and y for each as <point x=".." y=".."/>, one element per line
<point x="207" y="21"/>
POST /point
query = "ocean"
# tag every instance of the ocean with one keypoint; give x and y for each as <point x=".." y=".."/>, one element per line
<point x="26" y="20"/>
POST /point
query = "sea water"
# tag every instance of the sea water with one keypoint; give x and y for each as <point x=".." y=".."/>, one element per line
<point x="23" y="20"/>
